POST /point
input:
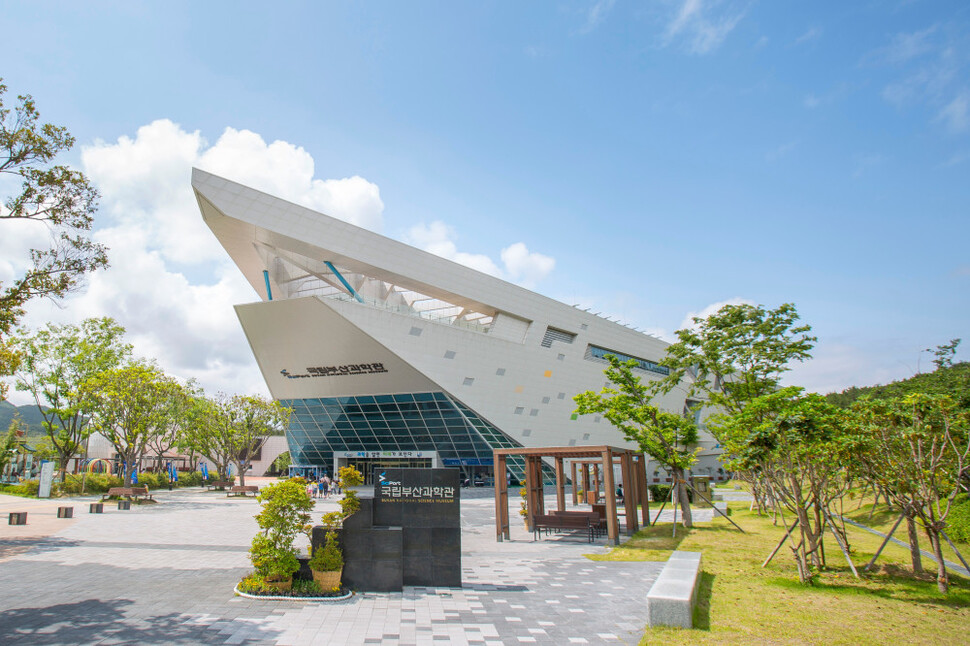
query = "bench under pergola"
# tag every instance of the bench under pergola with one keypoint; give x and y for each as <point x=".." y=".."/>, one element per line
<point x="633" y="476"/>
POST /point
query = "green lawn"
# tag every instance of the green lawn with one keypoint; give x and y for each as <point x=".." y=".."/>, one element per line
<point x="742" y="603"/>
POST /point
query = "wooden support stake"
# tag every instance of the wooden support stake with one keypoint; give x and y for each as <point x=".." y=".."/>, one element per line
<point x="884" y="543"/>
<point x="838" y="539"/>
<point x="955" y="551"/>
<point x="780" y="543"/>
<point x="715" y="508"/>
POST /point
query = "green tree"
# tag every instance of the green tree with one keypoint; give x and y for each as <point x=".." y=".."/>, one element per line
<point x="737" y="354"/>
<point x="798" y="448"/>
<point x="52" y="196"/>
<point x="664" y="436"/>
<point x="945" y="353"/>
<point x="284" y="514"/>
<point x="734" y="356"/>
<point x="918" y="450"/>
<point x="230" y="430"/>
<point x="11" y="443"/>
<point x="56" y="364"/>
<point x="129" y="406"/>
<point x="177" y="414"/>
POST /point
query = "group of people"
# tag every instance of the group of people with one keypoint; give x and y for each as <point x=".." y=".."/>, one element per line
<point x="321" y="488"/>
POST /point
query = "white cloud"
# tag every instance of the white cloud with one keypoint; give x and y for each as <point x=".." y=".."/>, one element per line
<point x="702" y="25"/>
<point x="596" y="14"/>
<point x="812" y="33"/>
<point x="524" y="267"/>
<point x="145" y="183"/>
<point x="519" y="264"/>
<point x="688" y="321"/>
<point x="908" y="46"/>
<point x="956" y="113"/>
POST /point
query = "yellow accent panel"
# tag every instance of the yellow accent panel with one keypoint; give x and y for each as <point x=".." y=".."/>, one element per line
<point x="548" y="373"/>
<point x="519" y="389"/>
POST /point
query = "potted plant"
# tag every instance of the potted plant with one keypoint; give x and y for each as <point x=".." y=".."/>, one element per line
<point x="327" y="562"/>
<point x="284" y="514"/>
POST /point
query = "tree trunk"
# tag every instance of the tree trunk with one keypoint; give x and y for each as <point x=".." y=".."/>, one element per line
<point x="241" y="466"/>
<point x="914" y="552"/>
<point x="942" y="582"/>
<point x="681" y="486"/>
<point x="63" y="462"/>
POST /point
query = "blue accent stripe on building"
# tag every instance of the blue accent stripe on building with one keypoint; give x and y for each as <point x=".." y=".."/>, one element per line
<point x="343" y="280"/>
<point x="269" y="292"/>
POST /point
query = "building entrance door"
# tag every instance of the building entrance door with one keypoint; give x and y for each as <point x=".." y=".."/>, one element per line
<point x="368" y="466"/>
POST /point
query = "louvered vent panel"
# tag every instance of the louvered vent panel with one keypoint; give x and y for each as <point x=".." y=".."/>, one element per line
<point x="552" y="334"/>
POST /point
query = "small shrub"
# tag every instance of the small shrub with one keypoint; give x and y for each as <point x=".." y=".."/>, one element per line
<point x="328" y="558"/>
<point x="659" y="492"/>
<point x="349" y="477"/>
<point x="190" y="479"/>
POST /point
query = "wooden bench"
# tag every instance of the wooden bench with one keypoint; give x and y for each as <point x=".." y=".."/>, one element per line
<point x="597" y="522"/>
<point x="243" y="491"/>
<point x="132" y="493"/>
<point x="549" y="523"/>
<point x="673" y="595"/>
<point x="218" y="485"/>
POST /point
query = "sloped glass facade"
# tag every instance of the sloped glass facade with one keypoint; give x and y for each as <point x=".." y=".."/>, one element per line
<point x="430" y="421"/>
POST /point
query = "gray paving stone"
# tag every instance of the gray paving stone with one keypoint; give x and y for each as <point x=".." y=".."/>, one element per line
<point x="164" y="574"/>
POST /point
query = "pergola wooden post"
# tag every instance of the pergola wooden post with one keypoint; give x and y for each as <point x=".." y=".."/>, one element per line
<point x="585" y="468"/>
<point x="575" y="484"/>
<point x="629" y="493"/>
<point x="560" y="486"/>
<point x="596" y="481"/>
<point x="599" y="457"/>
<point x="612" y="525"/>
<point x="501" y="500"/>
<point x="640" y="469"/>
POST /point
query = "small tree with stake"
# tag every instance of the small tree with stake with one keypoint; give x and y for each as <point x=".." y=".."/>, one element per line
<point x="666" y="437"/>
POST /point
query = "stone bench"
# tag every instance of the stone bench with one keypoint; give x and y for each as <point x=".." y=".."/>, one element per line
<point x="671" y="599"/>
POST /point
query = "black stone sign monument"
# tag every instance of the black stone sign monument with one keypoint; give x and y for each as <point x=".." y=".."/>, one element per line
<point x="408" y="533"/>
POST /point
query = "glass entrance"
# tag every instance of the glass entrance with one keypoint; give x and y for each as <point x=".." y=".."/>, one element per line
<point x="368" y="466"/>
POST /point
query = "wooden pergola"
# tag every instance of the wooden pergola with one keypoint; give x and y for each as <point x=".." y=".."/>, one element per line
<point x="633" y="476"/>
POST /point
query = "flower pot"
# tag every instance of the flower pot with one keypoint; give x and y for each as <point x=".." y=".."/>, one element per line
<point x="283" y="585"/>
<point x="328" y="580"/>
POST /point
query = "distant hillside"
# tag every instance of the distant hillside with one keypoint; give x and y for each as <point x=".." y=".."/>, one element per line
<point x="29" y="415"/>
<point x="953" y="381"/>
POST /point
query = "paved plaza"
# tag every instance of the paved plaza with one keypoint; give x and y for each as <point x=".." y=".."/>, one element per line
<point x="164" y="573"/>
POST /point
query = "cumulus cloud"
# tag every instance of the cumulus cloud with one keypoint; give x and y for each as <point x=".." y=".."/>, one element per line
<point x="145" y="183"/>
<point x="702" y="25"/>
<point x="519" y="265"/>
<point x="688" y="321"/>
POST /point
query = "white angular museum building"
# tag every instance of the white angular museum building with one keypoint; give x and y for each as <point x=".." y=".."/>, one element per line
<point x="390" y="356"/>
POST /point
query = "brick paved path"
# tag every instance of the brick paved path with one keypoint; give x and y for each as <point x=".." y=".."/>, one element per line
<point x="164" y="574"/>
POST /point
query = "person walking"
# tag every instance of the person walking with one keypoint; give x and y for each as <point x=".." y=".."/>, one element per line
<point x="325" y="484"/>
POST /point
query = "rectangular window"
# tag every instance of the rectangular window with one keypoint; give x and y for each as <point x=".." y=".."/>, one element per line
<point x="596" y="353"/>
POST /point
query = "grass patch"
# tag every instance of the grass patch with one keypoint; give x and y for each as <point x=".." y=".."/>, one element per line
<point x="742" y="603"/>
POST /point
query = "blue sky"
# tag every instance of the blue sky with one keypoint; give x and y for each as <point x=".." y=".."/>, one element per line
<point x="667" y="156"/>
